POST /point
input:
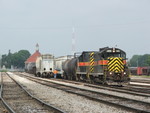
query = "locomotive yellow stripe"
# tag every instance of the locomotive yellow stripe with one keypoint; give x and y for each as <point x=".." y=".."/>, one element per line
<point x="92" y="62"/>
<point x="115" y="64"/>
<point x="92" y="69"/>
<point x="91" y="54"/>
<point x="119" y="60"/>
<point x="115" y="60"/>
<point x="115" y="67"/>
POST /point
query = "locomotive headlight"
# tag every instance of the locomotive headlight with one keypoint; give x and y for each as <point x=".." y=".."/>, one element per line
<point x="110" y="73"/>
<point x="125" y="73"/>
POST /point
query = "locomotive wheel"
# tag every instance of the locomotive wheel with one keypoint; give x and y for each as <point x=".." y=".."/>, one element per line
<point x="78" y="77"/>
<point x="91" y="79"/>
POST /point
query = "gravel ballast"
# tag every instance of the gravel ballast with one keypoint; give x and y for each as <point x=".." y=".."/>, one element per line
<point x="69" y="102"/>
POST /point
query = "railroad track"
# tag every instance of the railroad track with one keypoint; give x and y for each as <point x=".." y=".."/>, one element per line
<point x="19" y="100"/>
<point x="141" y="81"/>
<point x="130" y="89"/>
<point x="136" y="90"/>
<point x="3" y="107"/>
<point x="113" y="100"/>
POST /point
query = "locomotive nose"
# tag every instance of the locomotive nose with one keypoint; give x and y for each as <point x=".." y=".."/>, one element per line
<point x="115" y="64"/>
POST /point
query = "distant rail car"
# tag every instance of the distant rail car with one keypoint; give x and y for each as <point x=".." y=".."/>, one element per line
<point x="140" y="70"/>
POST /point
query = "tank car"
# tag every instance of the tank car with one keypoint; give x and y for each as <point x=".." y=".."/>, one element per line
<point x="108" y="66"/>
<point x="59" y="61"/>
<point x="70" y="68"/>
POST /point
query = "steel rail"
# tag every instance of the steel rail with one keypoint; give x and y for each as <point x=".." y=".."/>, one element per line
<point x="40" y="101"/>
<point x="119" y="90"/>
<point x="1" y="97"/>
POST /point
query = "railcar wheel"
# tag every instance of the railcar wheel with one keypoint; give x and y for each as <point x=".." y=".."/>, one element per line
<point x="43" y="74"/>
<point x="65" y="76"/>
<point x="38" y="74"/>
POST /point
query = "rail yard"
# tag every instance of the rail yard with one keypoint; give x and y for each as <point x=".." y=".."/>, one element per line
<point x="88" y="82"/>
<point x="71" y="96"/>
<point x="74" y="56"/>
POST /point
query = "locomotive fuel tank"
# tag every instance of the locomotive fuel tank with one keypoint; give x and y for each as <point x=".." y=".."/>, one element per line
<point x="70" y="67"/>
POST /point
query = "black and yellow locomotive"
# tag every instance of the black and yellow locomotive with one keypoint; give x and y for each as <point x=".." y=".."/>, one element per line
<point x="108" y="66"/>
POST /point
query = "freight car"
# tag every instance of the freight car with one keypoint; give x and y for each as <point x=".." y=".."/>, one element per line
<point x="59" y="63"/>
<point x="108" y="66"/>
<point x="45" y="65"/>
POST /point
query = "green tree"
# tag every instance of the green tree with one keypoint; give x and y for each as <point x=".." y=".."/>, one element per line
<point x="17" y="59"/>
<point x="140" y="60"/>
<point x="134" y="61"/>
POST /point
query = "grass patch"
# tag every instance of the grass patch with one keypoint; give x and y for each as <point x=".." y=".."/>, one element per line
<point x="3" y="70"/>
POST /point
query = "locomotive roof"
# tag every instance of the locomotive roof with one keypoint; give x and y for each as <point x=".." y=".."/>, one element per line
<point x="101" y="50"/>
<point x="107" y="48"/>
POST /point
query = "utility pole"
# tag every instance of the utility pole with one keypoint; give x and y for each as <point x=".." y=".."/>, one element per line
<point x="0" y="61"/>
<point x="73" y="41"/>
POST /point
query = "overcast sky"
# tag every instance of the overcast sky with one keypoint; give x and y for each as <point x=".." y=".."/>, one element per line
<point x="97" y="23"/>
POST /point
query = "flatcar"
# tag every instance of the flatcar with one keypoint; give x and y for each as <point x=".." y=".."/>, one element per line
<point x="108" y="66"/>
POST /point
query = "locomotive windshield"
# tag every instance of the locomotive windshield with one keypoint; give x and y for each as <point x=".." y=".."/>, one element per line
<point x="113" y="53"/>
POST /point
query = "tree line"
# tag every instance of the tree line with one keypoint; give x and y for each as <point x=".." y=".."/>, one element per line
<point x="140" y="60"/>
<point x="16" y="59"/>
